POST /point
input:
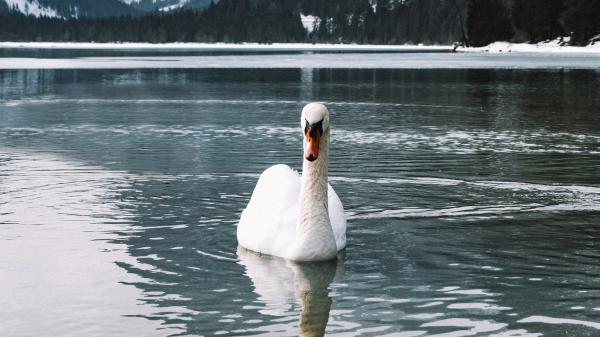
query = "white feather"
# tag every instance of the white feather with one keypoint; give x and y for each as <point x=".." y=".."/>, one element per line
<point x="268" y="224"/>
<point x="286" y="219"/>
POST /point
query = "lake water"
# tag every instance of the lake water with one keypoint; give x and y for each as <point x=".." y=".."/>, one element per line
<point x="472" y="196"/>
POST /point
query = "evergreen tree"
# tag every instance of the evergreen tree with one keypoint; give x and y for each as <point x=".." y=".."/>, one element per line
<point x="540" y="19"/>
<point x="487" y="21"/>
<point x="582" y="20"/>
<point x="346" y="21"/>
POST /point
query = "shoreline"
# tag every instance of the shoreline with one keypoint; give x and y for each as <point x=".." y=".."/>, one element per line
<point x="250" y="47"/>
<point x="549" y="47"/>
<point x="493" y="48"/>
<point x="499" y="55"/>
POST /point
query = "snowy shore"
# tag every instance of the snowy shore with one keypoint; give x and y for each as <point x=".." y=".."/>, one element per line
<point x="554" y="46"/>
<point x="499" y="55"/>
<point x="496" y="47"/>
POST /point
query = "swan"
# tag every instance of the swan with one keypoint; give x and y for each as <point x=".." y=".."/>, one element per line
<point x="296" y="217"/>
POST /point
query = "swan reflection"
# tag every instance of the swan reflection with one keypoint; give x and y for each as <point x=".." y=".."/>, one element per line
<point x="282" y="284"/>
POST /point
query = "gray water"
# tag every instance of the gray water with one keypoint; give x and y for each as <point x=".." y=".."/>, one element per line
<point x="207" y="59"/>
<point x="472" y="196"/>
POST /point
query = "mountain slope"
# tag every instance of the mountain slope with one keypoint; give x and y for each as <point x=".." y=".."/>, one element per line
<point x="96" y="8"/>
<point x="30" y="7"/>
<point x="70" y="8"/>
<point x="166" y="5"/>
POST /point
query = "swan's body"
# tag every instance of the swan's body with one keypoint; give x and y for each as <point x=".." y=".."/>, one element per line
<point x="269" y="223"/>
<point x="297" y="218"/>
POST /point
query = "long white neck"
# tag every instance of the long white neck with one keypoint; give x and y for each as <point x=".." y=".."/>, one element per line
<point x="314" y="235"/>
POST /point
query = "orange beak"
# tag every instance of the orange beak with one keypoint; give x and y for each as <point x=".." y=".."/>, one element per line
<point x="311" y="151"/>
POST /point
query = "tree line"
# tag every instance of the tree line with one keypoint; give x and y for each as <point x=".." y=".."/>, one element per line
<point x="474" y="22"/>
<point x="532" y="20"/>
<point x="231" y="21"/>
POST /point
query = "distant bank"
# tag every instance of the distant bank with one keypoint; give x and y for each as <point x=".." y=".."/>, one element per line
<point x="250" y="47"/>
<point x="554" y="46"/>
<point x="497" y="47"/>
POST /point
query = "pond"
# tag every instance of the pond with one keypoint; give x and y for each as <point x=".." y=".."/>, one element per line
<point x="472" y="197"/>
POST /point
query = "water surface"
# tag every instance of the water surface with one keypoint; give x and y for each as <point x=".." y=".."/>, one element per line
<point x="472" y="196"/>
<point x="269" y="59"/>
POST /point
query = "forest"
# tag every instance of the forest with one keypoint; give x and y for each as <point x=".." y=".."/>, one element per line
<point x="470" y="22"/>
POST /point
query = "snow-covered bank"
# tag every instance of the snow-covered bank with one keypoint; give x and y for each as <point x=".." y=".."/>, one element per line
<point x="251" y="47"/>
<point x="555" y="46"/>
<point x="496" y="47"/>
<point x="280" y="55"/>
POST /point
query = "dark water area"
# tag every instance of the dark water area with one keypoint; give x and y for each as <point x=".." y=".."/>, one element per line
<point x="472" y="196"/>
<point x="67" y="53"/>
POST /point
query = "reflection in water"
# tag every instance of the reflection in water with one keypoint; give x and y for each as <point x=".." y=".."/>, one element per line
<point x="278" y="281"/>
<point x="59" y="220"/>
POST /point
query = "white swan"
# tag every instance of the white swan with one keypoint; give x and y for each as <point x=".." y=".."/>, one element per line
<point x="297" y="218"/>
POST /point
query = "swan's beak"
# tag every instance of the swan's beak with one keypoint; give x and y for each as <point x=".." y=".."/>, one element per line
<point x="313" y="137"/>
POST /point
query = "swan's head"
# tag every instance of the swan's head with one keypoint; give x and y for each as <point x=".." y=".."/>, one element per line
<point x="314" y="122"/>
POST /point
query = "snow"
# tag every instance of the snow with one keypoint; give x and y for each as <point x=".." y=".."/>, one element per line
<point x="309" y="22"/>
<point x="167" y="8"/>
<point x="554" y="46"/>
<point x="303" y="55"/>
<point x="32" y="7"/>
<point x="494" y="48"/>
<point x="75" y="12"/>
<point x="174" y="7"/>
<point x="170" y="8"/>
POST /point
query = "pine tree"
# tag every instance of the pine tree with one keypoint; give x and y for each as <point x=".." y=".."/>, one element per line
<point x="540" y="19"/>
<point x="487" y="21"/>
<point x="581" y="20"/>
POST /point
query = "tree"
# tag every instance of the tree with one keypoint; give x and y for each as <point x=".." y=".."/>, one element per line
<point x="487" y="21"/>
<point x="582" y="20"/>
<point x="461" y="22"/>
<point x="540" y="19"/>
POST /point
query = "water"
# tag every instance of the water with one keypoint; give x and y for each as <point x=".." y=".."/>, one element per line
<point x="472" y="196"/>
<point x="214" y="59"/>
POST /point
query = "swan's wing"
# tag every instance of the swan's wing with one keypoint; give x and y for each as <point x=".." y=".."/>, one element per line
<point x="268" y="224"/>
<point x="337" y="218"/>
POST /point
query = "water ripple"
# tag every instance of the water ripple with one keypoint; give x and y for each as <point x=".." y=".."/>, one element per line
<point x="457" y="142"/>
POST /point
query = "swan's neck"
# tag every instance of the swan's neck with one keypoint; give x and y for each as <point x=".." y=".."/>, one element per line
<point x="315" y="239"/>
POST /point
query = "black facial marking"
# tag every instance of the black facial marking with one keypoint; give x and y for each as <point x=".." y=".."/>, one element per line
<point x="312" y="129"/>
